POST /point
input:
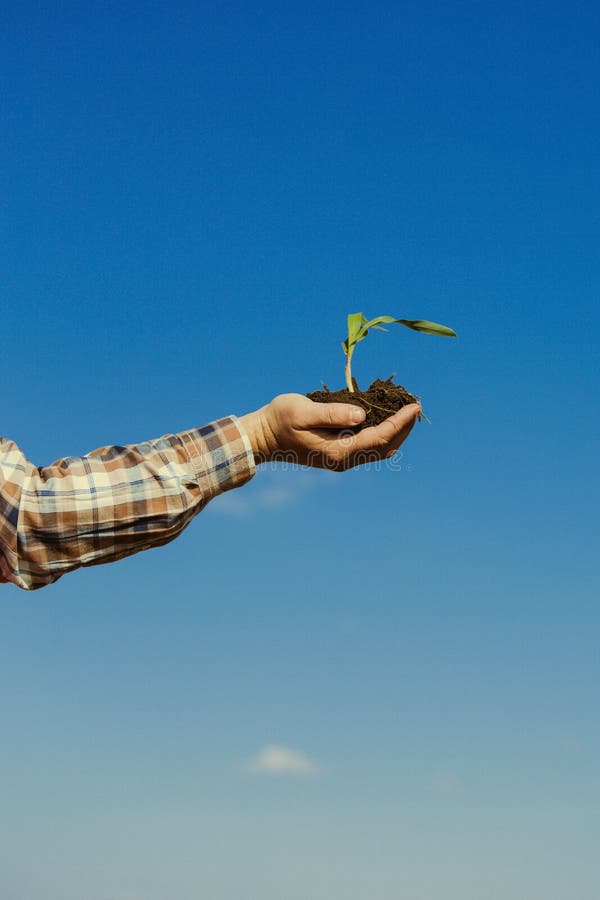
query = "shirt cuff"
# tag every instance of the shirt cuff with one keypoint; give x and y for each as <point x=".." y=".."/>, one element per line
<point x="221" y="455"/>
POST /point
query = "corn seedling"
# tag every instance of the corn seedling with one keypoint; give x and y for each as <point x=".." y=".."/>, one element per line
<point x="359" y="326"/>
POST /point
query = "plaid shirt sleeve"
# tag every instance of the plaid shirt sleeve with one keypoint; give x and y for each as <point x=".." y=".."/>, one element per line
<point x="86" y="510"/>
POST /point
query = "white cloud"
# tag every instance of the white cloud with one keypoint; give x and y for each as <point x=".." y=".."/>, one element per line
<point x="232" y="504"/>
<point x="266" y="496"/>
<point x="277" y="496"/>
<point x="275" y="759"/>
<point x="272" y="489"/>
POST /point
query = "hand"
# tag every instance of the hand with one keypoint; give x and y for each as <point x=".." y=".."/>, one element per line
<point x="295" y="429"/>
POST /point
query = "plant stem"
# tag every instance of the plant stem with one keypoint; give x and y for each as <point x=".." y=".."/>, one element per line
<point x="349" y="375"/>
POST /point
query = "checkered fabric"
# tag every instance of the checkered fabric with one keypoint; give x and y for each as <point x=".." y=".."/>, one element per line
<point x="86" y="510"/>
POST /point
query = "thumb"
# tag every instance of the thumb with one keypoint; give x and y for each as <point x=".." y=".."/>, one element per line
<point x="336" y="415"/>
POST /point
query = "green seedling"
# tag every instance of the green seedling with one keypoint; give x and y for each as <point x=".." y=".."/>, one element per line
<point x="359" y="325"/>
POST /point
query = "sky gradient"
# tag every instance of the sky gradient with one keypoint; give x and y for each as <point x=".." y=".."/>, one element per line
<point x="331" y="687"/>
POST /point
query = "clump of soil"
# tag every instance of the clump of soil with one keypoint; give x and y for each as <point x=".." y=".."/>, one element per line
<point x="380" y="401"/>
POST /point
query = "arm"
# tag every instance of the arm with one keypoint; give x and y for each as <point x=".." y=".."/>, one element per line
<point x="113" y="502"/>
<point x="82" y="511"/>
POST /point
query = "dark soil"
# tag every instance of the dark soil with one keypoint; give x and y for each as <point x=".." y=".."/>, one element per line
<point x="380" y="401"/>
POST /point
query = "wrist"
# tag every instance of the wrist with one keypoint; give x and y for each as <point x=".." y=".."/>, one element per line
<point x="262" y="439"/>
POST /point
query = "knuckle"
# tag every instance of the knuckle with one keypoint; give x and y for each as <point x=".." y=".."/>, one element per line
<point x="384" y="438"/>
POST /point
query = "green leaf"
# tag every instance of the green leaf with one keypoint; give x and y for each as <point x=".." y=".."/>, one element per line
<point x="373" y="323"/>
<point x="378" y="319"/>
<point x="359" y="325"/>
<point x="427" y="327"/>
<point x="354" y="326"/>
<point x="366" y="325"/>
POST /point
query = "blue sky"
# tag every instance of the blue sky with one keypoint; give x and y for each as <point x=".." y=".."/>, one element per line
<point x="194" y="196"/>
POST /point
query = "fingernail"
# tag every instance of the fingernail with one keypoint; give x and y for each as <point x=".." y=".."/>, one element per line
<point x="357" y="415"/>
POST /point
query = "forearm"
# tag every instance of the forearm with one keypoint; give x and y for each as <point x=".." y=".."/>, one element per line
<point x="114" y="502"/>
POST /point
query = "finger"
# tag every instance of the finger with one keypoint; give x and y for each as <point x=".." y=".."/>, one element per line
<point x="396" y="428"/>
<point x="391" y="425"/>
<point x="333" y="415"/>
<point x="373" y="453"/>
<point x="395" y="445"/>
